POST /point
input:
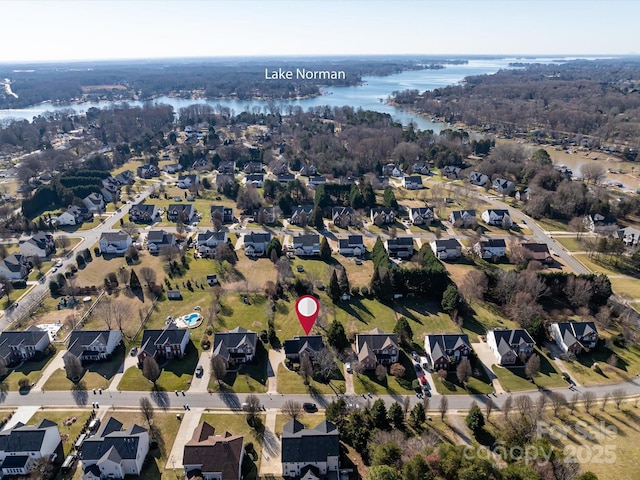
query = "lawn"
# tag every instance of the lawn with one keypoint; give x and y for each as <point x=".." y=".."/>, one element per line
<point x="368" y="382"/>
<point x="70" y="424"/>
<point x="32" y="369"/>
<point x="309" y="420"/>
<point x="290" y="382"/>
<point x="176" y="374"/>
<point x="570" y="243"/>
<point x="249" y="378"/>
<point x="513" y="378"/>
<point x="237" y="425"/>
<point x="476" y="384"/>
<point x="552" y="225"/>
<point x="484" y="317"/>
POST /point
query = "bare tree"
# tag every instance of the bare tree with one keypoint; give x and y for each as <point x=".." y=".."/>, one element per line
<point x="506" y="407"/>
<point x="532" y="367"/>
<point x="218" y="368"/>
<point x="147" y="410"/>
<point x="618" y="395"/>
<point x="558" y="401"/>
<point x="488" y="408"/>
<point x="151" y="369"/>
<point x="593" y="172"/>
<point x="169" y="253"/>
<point x="306" y="369"/>
<point x="124" y="274"/>
<point x="524" y="404"/>
<point x="588" y="399"/>
<point x="252" y="407"/>
<point x="291" y="409"/>
<point x="325" y="364"/>
<point x="443" y="407"/>
<point x="571" y="403"/>
<point x="381" y="373"/>
<point x="63" y="243"/>
<point x="72" y="366"/>
<point x="578" y="290"/>
<point x="605" y="399"/>
<point x="406" y="404"/>
<point x="130" y="229"/>
<point x="463" y="371"/>
<point x="474" y="285"/>
<point x="541" y="405"/>
<point x="148" y="276"/>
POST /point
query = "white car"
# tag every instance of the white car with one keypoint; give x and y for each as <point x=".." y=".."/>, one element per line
<point x="58" y="264"/>
<point x="347" y="367"/>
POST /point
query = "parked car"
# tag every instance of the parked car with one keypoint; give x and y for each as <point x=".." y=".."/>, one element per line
<point x="309" y="407"/>
<point x="300" y="268"/>
<point x="199" y="371"/>
<point x="347" y="367"/>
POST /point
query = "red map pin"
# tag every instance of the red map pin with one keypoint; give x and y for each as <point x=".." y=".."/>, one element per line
<point x="307" y="308"/>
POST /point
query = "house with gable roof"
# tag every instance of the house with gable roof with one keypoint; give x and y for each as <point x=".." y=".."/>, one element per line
<point x="383" y="215"/>
<point x="212" y="456"/>
<point x="39" y="245"/>
<point x="537" y="251"/>
<point x="342" y="217"/>
<point x="306" y="245"/>
<point x="497" y="217"/>
<point x="143" y="213"/>
<point x="413" y="182"/>
<point x="114" y="452"/>
<point x="420" y="168"/>
<point x="446" y="249"/>
<point x="503" y="186"/>
<point x="158" y="239"/>
<point x="170" y="342"/>
<point x="301" y="214"/>
<point x="22" y="446"/>
<point x="182" y="212"/>
<point x="352" y="245"/>
<point x="114" y="243"/>
<point x="15" y="267"/>
<point x="600" y="224"/>
<point x="377" y="347"/>
<point x="315" y="450"/>
<point x="479" y="179"/>
<point x="492" y="248"/>
<point x="18" y="346"/>
<point x="399" y="247"/>
<point x="463" y="218"/>
<point x="207" y="242"/>
<point x="224" y="214"/>
<point x="446" y="349"/>
<point x="94" y="202"/>
<point x="255" y="243"/>
<point x="235" y="346"/>
<point x="510" y="345"/>
<point x="421" y="215"/>
<point x="303" y="345"/>
<point x="92" y="345"/>
<point x="74" y="215"/>
<point x="574" y="337"/>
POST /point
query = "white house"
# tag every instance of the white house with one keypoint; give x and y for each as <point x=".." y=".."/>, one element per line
<point x="22" y="446"/>
<point x="40" y="245"/>
<point x="186" y="181"/>
<point x="492" y="248"/>
<point x="352" y="245"/>
<point x="208" y="241"/>
<point x="497" y="217"/>
<point x="600" y="224"/>
<point x="448" y="249"/>
<point x="113" y="452"/>
<point x="504" y="186"/>
<point x="305" y="448"/>
<point x="574" y="337"/>
<point x="73" y="216"/>
<point x="255" y="244"/>
<point x="477" y="178"/>
<point x="254" y="180"/>
<point x="158" y="239"/>
<point x="306" y="245"/>
<point x="114" y="243"/>
<point x="94" y="202"/>
<point x="463" y="218"/>
<point x="92" y="345"/>
<point x="510" y="345"/>
<point x="413" y="182"/>
<point x="421" y="215"/>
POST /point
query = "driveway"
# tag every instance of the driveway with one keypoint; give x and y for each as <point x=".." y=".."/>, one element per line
<point x="486" y="357"/>
<point x="54" y="365"/>
<point x="200" y="384"/>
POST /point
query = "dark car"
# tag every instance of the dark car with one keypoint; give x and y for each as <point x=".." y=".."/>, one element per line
<point x="309" y="407"/>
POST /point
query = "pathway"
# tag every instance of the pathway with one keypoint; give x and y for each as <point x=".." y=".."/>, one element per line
<point x="554" y="355"/>
<point x="270" y="464"/>
<point x="276" y="357"/>
<point x="458" y="426"/>
<point x="22" y="414"/>
<point x="485" y="355"/>
<point x="190" y="420"/>
<point x="54" y="365"/>
<point x="348" y="384"/>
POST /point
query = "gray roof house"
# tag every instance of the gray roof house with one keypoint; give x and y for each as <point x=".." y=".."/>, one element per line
<point x="39" y="245"/>
<point x="504" y="186"/>
<point x="421" y="215"/>
<point x="143" y="213"/>
<point x="477" y="178"/>
<point x="446" y="249"/>
<point x="113" y="452"/>
<point x="170" y="342"/>
<point x="343" y="216"/>
<point x="213" y="456"/>
<point x="222" y="213"/>
<point x="413" y="182"/>
<point x="377" y="347"/>
<point x="491" y="248"/>
<point x="208" y="241"/>
<point x="306" y="245"/>
<point x="22" y="446"/>
<point x="157" y="239"/>
<point x="301" y="345"/>
<point x="255" y="243"/>
<point x="318" y="447"/>
<point x="445" y="349"/>
<point x="92" y="345"/>
<point x="235" y="346"/>
<point x="574" y="337"/>
<point x="383" y="215"/>
<point x="114" y="243"/>
<point x="183" y="212"/>
<point x="510" y="345"/>
<point x="18" y="346"/>
<point x="301" y="214"/>
<point x="497" y="217"/>
<point x="14" y="267"/>
<point x="463" y="218"/>
<point x="352" y="245"/>
<point x="94" y="202"/>
<point x="399" y="247"/>
<point x="600" y="224"/>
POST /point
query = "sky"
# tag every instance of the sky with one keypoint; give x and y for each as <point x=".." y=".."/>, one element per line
<point x="53" y="30"/>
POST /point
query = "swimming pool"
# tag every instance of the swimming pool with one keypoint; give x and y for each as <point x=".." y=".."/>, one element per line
<point x="191" y="320"/>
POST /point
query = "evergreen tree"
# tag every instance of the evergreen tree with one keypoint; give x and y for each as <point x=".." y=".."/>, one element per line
<point x="334" y="287"/>
<point x="355" y="197"/>
<point x="322" y="198"/>
<point x="376" y="284"/>
<point x="336" y="336"/>
<point x="368" y="195"/>
<point x="317" y="220"/>
<point x="379" y="414"/>
<point x="386" y="286"/>
<point x="403" y="330"/>
<point x="344" y="281"/>
<point x="325" y="250"/>
<point x="134" y="282"/>
<point x="396" y="415"/>
<point x="450" y="299"/>
<point x="389" y="198"/>
<point x="274" y="244"/>
<point x="475" y="419"/>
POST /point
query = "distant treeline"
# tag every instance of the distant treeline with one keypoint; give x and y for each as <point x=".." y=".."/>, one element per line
<point x="142" y="81"/>
<point x="598" y="99"/>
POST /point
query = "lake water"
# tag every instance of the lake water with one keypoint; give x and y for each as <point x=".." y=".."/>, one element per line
<point x="370" y="95"/>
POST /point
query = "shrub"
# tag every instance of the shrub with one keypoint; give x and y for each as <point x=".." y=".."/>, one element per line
<point x="364" y="291"/>
<point x="96" y="251"/>
<point x="24" y="383"/>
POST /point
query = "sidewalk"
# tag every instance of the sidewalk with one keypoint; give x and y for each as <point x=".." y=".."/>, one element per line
<point x="270" y="466"/>
<point x="190" y="420"/>
<point x="54" y="365"/>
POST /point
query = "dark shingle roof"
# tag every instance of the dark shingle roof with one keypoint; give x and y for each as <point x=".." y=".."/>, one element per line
<point x="223" y="341"/>
<point x="215" y="453"/>
<point x="298" y="343"/>
<point x="80" y="339"/>
<point x="376" y="339"/>
<point x="154" y="339"/>
<point x="309" y="445"/>
<point x="112" y="442"/>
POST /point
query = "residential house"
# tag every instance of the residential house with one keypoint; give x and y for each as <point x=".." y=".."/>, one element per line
<point x="158" y="239"/>
<point x="510" y="345"/>
<point x="15" y="267"/>
<point x="491" y="249"/>
<point x="377" y="347"/>
<point x="187" y="181"/>
<point x="391" y="170"/>
<point x="352" y="245"/>
<point x="143" y="213"/>
<point x="210" y="456"/>
<point x="255" y="180"/>
<point x="300" y="215"/>
<point x="94" y="202"/>
<point x="22" y="446"/>
<point x="308" y="170"/>
<point x="479" y="179"/>
<point x="446" y="349"/>
<point x="222" y="213"/>
<point x="183" y="212"/>
<point x="421" y="215"/>
<point x="413" y="182"/>
<point x="266" y="215"/>
<point x="235" y="346"/>
<point x="316" y="180"/>
<point x="207" y="242"/>
<point x="420" y="168"/>
<point x="223" y="179"/>
<point x="630" y="236"/>
<point x="114" y="243"/>
<point x="383" y="215"/>
<point x="170" y="342"/>
<point x="39" y="245"/>
<point x="280" y="168"/>
<point x="172" y="168"/>
<point x="503" y="186"/>
<point x="463" y="218"/>
<point x="538" y="251"/>
<point x="399" y="247"/>
<point x="451" y="171"/>
<point x="574" y="337"/>
<point x="110" y="189"/>
<point x="125" y="178"/>
<point x="227" y="168"/>
<point x="301" y="346"/>
<point x="286" y="177"/>
<point x="447" y="249"/>
<point x="114" y="452"/>
<point x="255" y="243"/>
<point x="306" y="245"/>
<point x="522" y="194"/>
<point x="309" y="451"/>
<point x="92" y="345"/>
<point x="18" y="346"/>
<point x="343" y="217"/>
<point x="74" y="215"/>
<point x="148" y="171"/>
<point x="600" y="224"/>
<point x="253" y="167"/>
<point x="497" y="217"/>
